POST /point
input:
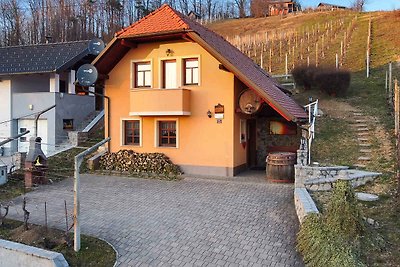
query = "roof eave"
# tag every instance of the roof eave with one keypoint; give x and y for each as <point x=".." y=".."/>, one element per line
<point x="153" y="34"/>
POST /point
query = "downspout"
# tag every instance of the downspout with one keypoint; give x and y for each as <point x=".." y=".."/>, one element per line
<point x="37" y="118"/>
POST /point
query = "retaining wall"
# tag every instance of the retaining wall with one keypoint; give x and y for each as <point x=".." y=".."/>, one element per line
<point x="19" y="255"/>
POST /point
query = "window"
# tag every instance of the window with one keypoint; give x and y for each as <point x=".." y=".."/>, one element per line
<point x="191" y="71"/>
<point x="142" y="74"/>
<point x="22" y="138"/>
<point x="68" y="124"/>
<point x="169" y="74"/>
<point x="132" y="132"/>
<point x="167" y="133"/>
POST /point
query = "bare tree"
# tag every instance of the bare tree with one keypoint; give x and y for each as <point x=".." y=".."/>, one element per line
<point x="241" y="5"/>
<point x="359" y="5"/>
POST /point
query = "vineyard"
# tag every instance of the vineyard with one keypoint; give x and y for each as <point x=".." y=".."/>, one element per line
<point x="343" y="39"/>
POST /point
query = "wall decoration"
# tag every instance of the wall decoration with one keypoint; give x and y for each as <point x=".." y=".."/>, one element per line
<point x="282" y="128"/>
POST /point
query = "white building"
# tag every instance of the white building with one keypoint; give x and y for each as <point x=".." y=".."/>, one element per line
<point x="34" y="78"/>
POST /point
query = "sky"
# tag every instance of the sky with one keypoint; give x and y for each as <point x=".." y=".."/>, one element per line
<point x="371" y="5"/>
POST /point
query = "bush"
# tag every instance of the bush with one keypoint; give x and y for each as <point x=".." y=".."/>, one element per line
<point x="333" y="82"/>
<point x="332" y="239"/>
<point x="304" y="76"/>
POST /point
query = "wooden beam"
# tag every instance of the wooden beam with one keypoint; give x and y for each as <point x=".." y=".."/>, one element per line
<point x="128" y="43"/>
<point x="222" y="67"/>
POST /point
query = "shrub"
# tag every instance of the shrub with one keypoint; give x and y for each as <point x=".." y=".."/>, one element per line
<point x="332" y="239"/>
<point x="333" y="82"/>
<point x="304" y="76"/>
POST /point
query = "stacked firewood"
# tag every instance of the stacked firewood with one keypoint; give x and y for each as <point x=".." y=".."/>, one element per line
<point x="132" y="162"/>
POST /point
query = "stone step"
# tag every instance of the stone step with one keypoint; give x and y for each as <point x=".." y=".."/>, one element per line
<point x="360" y="125"/>
<point x="363" y="134"/>
<point x="361" y="139"/>
<point x="366" y="150"/>
<point x="363" y="129"/>
<point x="359" y="165"/>
<point x="364" y="159"/>
<point x="361" y="121"/>
<point x="365" y="145"/>
<point x="358" y="114"/>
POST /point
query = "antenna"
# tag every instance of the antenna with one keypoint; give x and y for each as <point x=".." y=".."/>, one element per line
<point x="95" y="46"/>
<point x="87" y="75"/>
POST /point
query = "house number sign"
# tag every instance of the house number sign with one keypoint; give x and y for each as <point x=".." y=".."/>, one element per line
<point x="219" y="112"/>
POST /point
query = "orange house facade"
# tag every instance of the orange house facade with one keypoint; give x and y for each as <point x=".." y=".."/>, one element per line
<point x="174" y="88"/>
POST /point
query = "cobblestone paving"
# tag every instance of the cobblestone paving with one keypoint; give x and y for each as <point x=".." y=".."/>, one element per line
<point x="193" y="222"/>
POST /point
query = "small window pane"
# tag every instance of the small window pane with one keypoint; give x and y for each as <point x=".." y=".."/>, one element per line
<point x="195" y="76"/>
<point x="132" y="132"/>
<point x="192" y="63"/>
<point x="147" y="78"/>
<point x="140" y="80"/>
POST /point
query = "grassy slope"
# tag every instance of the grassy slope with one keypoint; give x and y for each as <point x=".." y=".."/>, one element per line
<point x="365" y="95"/>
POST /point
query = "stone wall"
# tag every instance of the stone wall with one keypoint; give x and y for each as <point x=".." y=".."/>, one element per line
<point x="265" y="140"/>
<point x="16" y="255"/>
<point x="304" y="204"/>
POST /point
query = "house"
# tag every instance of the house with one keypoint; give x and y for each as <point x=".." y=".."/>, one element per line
<point x="282" y="7"/>
<point x="329" y="7"/>
<point x="34" y="78"/>
<point x="194" y="15"/>
<point x="175" y="88"/>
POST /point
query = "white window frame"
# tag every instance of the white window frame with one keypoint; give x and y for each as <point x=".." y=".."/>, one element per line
<point x="157" y="131"/>
<point x="133" y="73"/>
<point x="122" y="135"/>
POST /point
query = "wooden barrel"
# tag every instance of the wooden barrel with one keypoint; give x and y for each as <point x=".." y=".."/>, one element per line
<point x="280" y="167"/>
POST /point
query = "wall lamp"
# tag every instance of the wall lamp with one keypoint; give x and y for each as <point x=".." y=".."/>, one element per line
<point x="209" y="114"/>
<point x="169" y="52"/>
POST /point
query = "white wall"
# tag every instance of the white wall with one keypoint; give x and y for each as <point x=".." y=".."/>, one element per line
<point x="5" y="113"/>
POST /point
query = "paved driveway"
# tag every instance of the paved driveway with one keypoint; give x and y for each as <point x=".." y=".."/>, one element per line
<point x="193" y="222"/>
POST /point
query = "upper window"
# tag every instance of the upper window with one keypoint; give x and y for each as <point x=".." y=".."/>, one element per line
<point x="132" y="132"/>
<point x="191" y="71"/>
<point x="167" y="133"/>
<point x="142" y="74"/>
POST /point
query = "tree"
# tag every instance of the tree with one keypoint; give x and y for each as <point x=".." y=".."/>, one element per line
<point x="358" y="5"/>
<point x="241" y="5"/>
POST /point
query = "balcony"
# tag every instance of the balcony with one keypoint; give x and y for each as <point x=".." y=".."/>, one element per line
<point x="159" y="102"/>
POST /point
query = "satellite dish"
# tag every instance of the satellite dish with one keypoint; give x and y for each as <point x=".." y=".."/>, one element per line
<point x="95" y="46"/>
<point x="249" y="102"/>
<point x="87" y="75"/>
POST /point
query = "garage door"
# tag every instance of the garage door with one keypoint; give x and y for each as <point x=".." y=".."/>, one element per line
<point x="28" y="125"/>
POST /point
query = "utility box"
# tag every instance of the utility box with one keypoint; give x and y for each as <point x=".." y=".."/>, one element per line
<point x="35" y="164"/>
<point x="3" y="174"/>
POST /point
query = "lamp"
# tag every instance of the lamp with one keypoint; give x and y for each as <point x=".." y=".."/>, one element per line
<point x="209" y="114"/>
<point x="169" y="52"/>
<point x="310" y="99"/>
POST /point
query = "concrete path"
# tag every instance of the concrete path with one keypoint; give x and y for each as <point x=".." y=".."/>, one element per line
<point x="193" y="222"/>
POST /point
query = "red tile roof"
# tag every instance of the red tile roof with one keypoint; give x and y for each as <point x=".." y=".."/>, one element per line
<point x="165" y="19"/>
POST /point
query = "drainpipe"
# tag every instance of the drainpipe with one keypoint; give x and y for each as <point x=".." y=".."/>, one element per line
<point x="37" y="118"/>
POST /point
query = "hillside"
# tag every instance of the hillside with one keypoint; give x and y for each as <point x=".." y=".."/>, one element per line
<point x="315" y="39"/>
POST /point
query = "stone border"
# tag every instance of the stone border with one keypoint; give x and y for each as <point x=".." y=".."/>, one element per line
<point x="304" y="204"/>
<point x="14" y="254"/>
<point x="111" y="245"/>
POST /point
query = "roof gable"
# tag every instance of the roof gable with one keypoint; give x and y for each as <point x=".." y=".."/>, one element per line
<point x="164" y="19"/>
<point x="41" y="58"/>
<point x="232" y="58"/>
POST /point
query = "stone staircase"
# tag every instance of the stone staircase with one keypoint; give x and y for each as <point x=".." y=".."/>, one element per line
<point x="87" y="120"/>
<point x="363" y="138"/>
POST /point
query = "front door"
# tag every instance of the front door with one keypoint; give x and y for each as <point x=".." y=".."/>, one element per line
<point x="252" y="143"/>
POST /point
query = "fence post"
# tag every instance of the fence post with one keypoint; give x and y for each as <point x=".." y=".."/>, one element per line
<point x="78" y="162"/>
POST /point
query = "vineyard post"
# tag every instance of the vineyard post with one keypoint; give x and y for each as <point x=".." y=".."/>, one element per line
<point x="286" y="65"/>
<point x="337" y="61"/>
